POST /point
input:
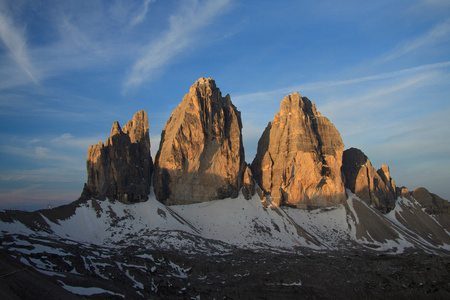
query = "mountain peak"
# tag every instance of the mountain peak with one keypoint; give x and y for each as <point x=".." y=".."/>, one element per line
<point x="121" y="168"/>
<point x="115" y="129"/>
<point x="299" y="157"/>
<point x="296" y="103"/>
<point x="205" y="81"/>
<point x="201" y="155"/>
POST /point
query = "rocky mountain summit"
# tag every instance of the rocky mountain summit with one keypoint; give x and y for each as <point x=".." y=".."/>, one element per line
<point x="122" y="167"/>
<point x="325" y="222"/>
<point x="431" y="203"/>
<point x="201" y="156"/>
<point x="299" y="157"/>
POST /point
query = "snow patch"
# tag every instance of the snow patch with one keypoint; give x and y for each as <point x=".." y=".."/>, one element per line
<point x="87" y="291"/>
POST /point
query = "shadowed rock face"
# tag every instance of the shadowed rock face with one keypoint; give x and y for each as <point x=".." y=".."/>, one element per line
<point x="432" y="203"/>
<point x="377" y="188"/>
<point x="201" y="155"/>
<point x="248" y="188"/>
<point x="122" y="167"/>
<point x="299" y="157"/>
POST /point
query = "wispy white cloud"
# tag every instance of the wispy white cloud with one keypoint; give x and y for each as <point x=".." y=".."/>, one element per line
<point x="102" y="38"/>
<point x="414" y="146"/>
<point x="14" y="38"/>
<point x="376" y="98"/>
<point x="39" y="175"/>
<point x="65" y="151"/>
<point x="183" y="30"/>
<point x="81" y="39"/>
<point x="363" y="109"/>
<point x="435" y="35"/>
<point x="67" y="140"/>
<point x="269" y="95"/>
<point x="39" y="153"/>
<point x="439" y="3"/>
<point x="138" y="18"/>
<point x="35" y="196"/>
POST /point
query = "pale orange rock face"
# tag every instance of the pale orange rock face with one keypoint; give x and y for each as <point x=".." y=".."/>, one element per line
<point x="299" y="157"/>
<point x="201" y="155"/>
<point x="404" y="192"/>
<point x="122" y="167"/>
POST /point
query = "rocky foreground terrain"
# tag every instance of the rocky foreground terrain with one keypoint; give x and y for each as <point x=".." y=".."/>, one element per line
<point x="34" y="268"/>
<point x="305" y="220"/>
<point x="110" y="250"/>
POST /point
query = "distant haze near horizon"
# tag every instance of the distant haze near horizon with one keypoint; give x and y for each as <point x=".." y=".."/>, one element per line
<point x="379" y="70"/>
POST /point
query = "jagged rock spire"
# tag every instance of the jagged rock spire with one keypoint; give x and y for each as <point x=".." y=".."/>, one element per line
<point x="122" y="167"/>
<point x="201" y="154"/>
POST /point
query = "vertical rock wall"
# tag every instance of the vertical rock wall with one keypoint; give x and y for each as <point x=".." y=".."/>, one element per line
<point x="201" y="155"/>
<point x="299" y="157"/>
<point x="377" y="188"/>
<point x="122" y="167"/>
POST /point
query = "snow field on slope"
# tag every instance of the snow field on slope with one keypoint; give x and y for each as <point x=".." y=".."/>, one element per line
<point x="402" y="205"/>
<point x="116" y="221"/>
<point x="216" y="225"/>
<point x="239" y="222"/>
<point x="247" y="223"/>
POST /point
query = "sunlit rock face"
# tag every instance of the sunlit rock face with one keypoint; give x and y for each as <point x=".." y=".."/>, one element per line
<point x="377" y="188"/>
<point x="201" y="154"/>
<point x="299" y="157"/>
<point x="121" y="168"/>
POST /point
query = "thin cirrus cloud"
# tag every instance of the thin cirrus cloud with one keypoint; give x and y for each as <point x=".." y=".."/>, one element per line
<point x="269" y="96"/>
<point x="33" y="196"/>
<point x="437" y="34"/>
<point x="64" y="150"/>
<point x="39" y="175"/>
<point x="372" y="97"/>
<point x="13" y="37"/>
<point x="139" y="18"/>
<point x="40" y="153"/>
<point x="183" y="29"/>
<point x="79" y="47"/>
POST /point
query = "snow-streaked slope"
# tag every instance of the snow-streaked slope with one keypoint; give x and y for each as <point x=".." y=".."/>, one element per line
<point x="219" y="226"/>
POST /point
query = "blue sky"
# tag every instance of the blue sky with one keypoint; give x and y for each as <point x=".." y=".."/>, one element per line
<point x="379" y="70"/>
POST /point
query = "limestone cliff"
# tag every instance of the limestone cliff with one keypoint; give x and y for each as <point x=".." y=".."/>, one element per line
<point x="299" y="157"/>
<point x="248" y="185"/>
<point x="201" y="155"/>
<point x="377" y="188"/>
<point x="122" y="167"/>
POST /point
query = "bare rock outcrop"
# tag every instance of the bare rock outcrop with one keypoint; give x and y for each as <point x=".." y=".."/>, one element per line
<point x="248" y="185"/>
<point x="201" y="155"/>
<point x="432" y="203"/>
<point x="386" y="177"/>
<point x="299" y="157"/>
<point x="122" y="167"/>
<point x="405" y="193"/>
<point x="377" y="188"/>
